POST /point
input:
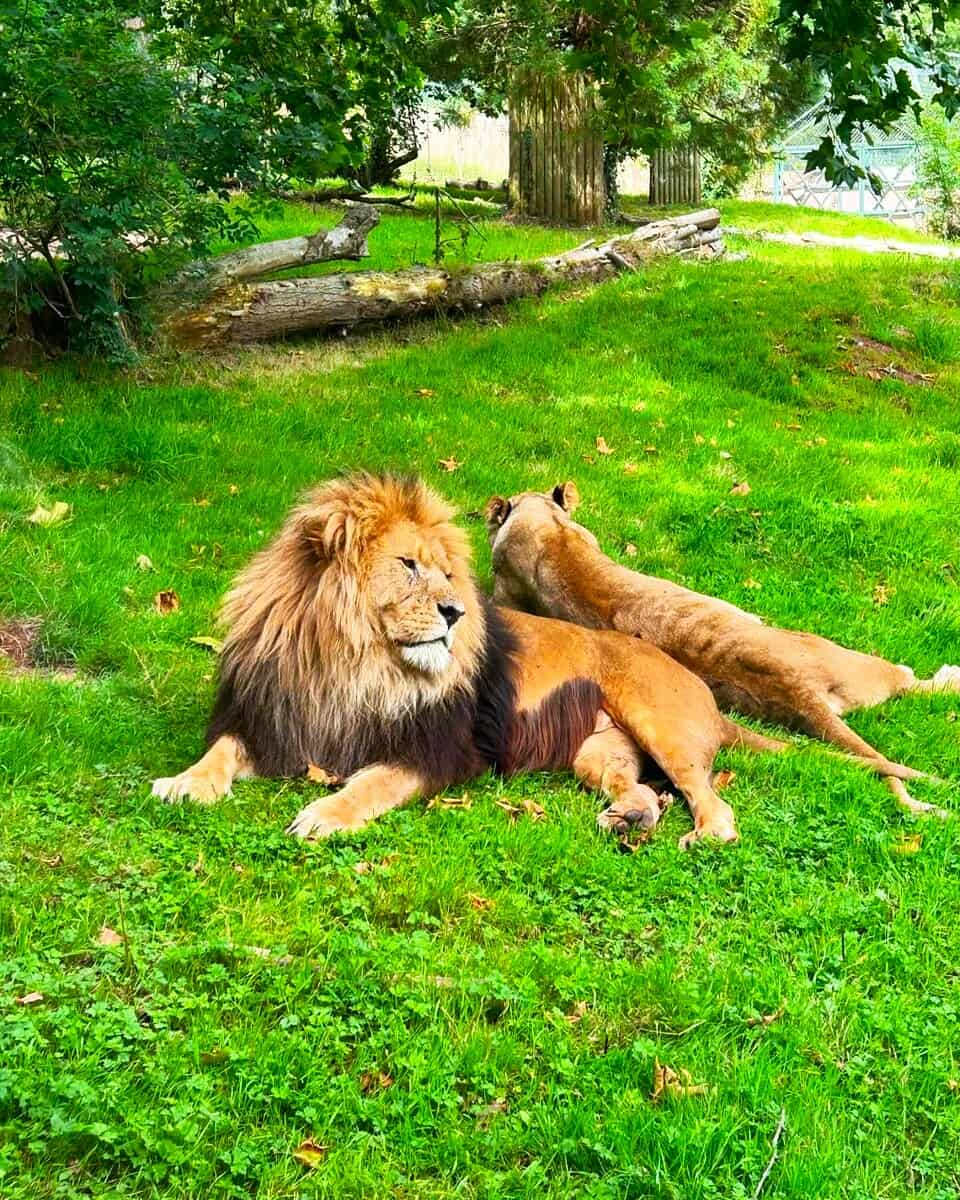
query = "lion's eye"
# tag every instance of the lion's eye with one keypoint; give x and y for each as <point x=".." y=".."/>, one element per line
<point x="410" y="564"/>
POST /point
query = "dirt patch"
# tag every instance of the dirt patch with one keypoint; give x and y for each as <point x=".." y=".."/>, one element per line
<point x="19" y="647"/>
<point x="870" y="359"/>
<point x="18" y="640"/>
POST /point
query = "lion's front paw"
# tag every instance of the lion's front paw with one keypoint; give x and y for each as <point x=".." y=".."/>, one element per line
<point x="190" y="785"/>
<point x="720" y="827"/>
<point x="322" y="818"/>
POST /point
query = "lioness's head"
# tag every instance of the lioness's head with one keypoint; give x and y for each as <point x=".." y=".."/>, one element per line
<point x="518" y="529"/>
<point x="367" y="583"/>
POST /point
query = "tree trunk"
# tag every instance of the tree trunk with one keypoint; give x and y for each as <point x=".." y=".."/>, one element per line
<point x="675" y="176"/>
<point x="347" y="240"/>
<point x="556" y="150"/>
<point x="247" y="312"/>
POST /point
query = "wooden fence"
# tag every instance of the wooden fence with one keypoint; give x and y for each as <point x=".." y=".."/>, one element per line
<point x="675" y="176"/>
<point x="556" y="150"/>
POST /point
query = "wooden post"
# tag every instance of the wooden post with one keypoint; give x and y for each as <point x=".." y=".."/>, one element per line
<point x="556" y="150"/>
<point x="675" y="176"/>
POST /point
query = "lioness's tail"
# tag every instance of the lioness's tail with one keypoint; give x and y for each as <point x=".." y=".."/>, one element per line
<point x="747" y="739"/>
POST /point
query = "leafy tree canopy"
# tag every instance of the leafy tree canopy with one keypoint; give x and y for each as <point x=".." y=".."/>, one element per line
<point x="721" y="72"/>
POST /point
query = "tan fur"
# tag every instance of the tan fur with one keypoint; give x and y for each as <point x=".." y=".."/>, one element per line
<point x="547" y="562"/>
<point x="320" y="625"/>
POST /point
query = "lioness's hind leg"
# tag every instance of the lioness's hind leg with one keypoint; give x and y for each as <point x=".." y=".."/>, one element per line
<point x="610" y="762"/>
<point x="917" y="807"/>
<point x="210" y="777"/>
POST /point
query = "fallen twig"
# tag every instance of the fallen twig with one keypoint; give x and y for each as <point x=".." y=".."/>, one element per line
<point x="778" y="1133"/>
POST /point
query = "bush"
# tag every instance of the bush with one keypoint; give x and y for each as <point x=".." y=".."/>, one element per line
<point x="938" y="172"/>
<point x="91" y="174"/>
<point x="123" y="122"/>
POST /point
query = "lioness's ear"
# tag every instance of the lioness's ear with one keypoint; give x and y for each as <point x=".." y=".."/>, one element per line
<point x="496" y="512"/>
<point x="567" y="496"/>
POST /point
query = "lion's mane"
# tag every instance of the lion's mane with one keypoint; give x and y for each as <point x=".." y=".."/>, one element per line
<point x="304" y="674"/>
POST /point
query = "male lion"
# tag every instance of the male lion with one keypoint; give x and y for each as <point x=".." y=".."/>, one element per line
<point x="548" y="563"/>
<point x="358" y="642"/>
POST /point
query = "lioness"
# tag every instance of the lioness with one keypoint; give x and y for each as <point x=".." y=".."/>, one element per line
<point x="547" y="563"/>
<point x="357" y="641"/>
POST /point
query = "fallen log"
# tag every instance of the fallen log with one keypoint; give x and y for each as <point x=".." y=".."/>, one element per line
<point x="354" y="194"/>
<point x="246" y="311"/>
<point x="347" y="240"/>
<point x="864" y="244"/>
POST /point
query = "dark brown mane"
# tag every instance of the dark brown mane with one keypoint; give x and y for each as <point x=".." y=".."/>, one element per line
<point x="448" y="741"/>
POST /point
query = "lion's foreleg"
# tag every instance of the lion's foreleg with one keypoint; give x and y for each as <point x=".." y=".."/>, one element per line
<point x="366" y="795"/>
<point x="211" y="776"/>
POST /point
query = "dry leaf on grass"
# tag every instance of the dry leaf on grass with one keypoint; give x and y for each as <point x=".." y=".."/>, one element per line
<point x="740" y="489"/>
<point x="450" y="465"/>
<point x="233" y="490"/>
<point x="481" y="903"/>
<point x="144" y="563"/>
<point x="630" y="468"/>
<point x="310" y="1153"/>
<point x="486" y="1112"/>
<point x="577" y="1013"/>
<point x="650" y="450"/>
<point x="463" y="801"/>
<point x="109" y="937"/>
<point x="725" y="454"/>
<point x="201" y="502"/>
<point x="208" y="643"/>
<point x="675" y="1084"/>
<point x="317" y="774"/>
<point x="166" y="602"/>
<point x="602" y="447"/>
<point x="754" y="584"/>
<point x="536" y="812"/>
<point x="30" y="998"/>
<point x="882" y="594"/>
<point x="57" y="512"/>
<point x="723" y="779"/>
<point x="630" y="550"/>
<point x="374" y="1081"/>
<point x="426" y="392"/>
<point x="909" y="843"/>
<point x="767" y="1018"/>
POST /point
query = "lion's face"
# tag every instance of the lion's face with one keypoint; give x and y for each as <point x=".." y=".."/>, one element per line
<point x="364" y="602"/>
<point x="416" y="586"/>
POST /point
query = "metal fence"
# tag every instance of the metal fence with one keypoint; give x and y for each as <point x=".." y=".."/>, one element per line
<point x="894" y="165"/>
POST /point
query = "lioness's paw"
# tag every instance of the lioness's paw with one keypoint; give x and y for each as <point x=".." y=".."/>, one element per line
<point x="189" y="785"/>
<point x="720" y="829"/>
<point x="321" y="819"/>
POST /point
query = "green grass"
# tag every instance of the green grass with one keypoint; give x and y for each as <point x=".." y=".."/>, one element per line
<point x="265" y="985"/>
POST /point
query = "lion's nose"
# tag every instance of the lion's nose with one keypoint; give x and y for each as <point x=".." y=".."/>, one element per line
<point x="451" y="613"/>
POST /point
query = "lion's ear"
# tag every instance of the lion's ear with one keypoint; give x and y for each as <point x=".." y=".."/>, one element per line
<point x="496" y="512"/>
<point x="332" y="529"/>
<point x="567" y="496"/>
